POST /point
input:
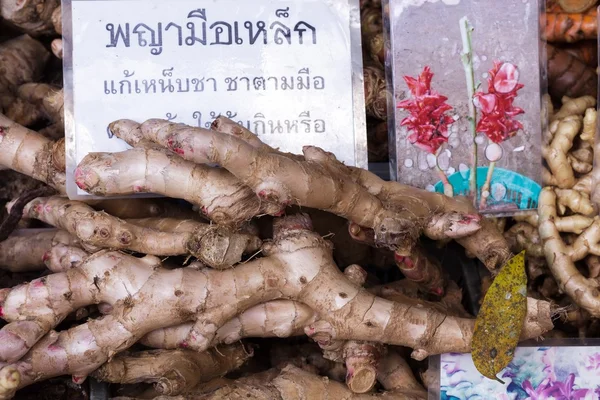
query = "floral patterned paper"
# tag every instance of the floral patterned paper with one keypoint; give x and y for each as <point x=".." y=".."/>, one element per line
<point x="536" y="373"/>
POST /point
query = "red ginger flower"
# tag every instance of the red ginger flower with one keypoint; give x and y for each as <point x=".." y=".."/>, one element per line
<point x="497" y="110"/>
<point x="427" y="120"/>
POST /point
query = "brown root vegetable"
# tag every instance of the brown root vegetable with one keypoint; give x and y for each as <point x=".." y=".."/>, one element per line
<point x="576" y="6"/>
<point x="144" y="297"/>
<point x="29" y="153"/>
<point x="35" y="17"/>
<point x="561" y="257"/>
<point x="297" y="185"/>
<point x="215" y="191"/>
<point x="57" y="48"/>
<point x="585" y="50"/>
<point x="277" y="318"/>
<point x="172" y="371"/>
<point x="375" y="92"/>
<point x="568" y="75"/>
<point x="216" y="246"/>
<point x="38" y="101"/>
<point x="23" y="60"/>
<point x="571" y="27"/>
<point x="29" y="250"/>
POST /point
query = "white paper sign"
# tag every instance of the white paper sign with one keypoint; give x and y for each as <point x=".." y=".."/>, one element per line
<point x="290" y="71"/>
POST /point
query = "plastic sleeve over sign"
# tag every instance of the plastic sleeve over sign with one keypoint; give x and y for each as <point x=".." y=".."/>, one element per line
<point x="288" y="70"/>
<point x="465" y="85"/>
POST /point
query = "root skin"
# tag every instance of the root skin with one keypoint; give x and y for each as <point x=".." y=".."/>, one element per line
<point x="172" y="371"/>
<point x="32" y="16"/>
<point x="297" y="265"/>
<point x="291" y="383"/>
<point x="277" y="318"/>
<point x="283" y="181"/>
<point x="23" y="60"/>
<point x="28" y="252"/>
<point x="219" y="195"/>
<point x="560" y="257"/>
<point x="29" y="153"/>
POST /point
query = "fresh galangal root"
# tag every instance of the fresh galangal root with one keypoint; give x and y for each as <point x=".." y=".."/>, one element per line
<point x="397" y="214"/>
<point x="298" y="265"/>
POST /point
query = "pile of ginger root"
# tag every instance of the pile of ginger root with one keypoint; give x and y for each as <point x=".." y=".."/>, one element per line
<point x="252" y="274"/>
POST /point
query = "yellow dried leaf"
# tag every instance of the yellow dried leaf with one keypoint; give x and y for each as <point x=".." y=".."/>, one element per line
<point x="500" y="320"/>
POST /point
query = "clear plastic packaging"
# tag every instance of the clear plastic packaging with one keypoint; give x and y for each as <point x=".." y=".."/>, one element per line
<point x="465" y="111"/>
<point x="290" y="71"/>
<point x="552" y="368"/>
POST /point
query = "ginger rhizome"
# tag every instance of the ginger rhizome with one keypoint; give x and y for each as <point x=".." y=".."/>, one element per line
<point x="144" y="296"/>
<point x="397" y="214"/>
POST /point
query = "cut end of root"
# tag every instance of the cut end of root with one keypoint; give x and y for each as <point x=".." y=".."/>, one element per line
<point x="361" y="379"/>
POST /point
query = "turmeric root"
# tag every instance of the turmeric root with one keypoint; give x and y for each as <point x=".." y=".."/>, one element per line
<point x="571" y="27"/>
<point x="216" y="246"/>
<point x="172" y="371"/>
<point x="277" y="318"/>
<point x="144" y="297"/>
<point x="35" y="17"/>
<point x="569" y="76"/>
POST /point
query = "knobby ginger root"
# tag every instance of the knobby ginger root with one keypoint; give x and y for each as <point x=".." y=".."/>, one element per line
<point x="487" y="244"/>
<point x="568" y="75"/>
<point x="172" y="371"/>
<point x="317" y="182"/>
<point x="561" y="257"/>
<point x="28" y="252"/>
<point x="23" y="60"/>
<point x="216" y="246"/>
<point x="29" y="153"/>
<point x="394" y="373"/>
<point x="35" y="17"/>
<point x="524" y="236"/>
<point x="375" y="92"/>
<point x="219" y="195"/>
<point x="46" y="101"/>
<point x="136" y="208"/>
<point x="277" y="318"/>
<point x="63" y="257"/>
<point x="574" y="106"/>
<point x="298" y="265"/>
<point x="57" y="48"/>
<point x="290" y="383"/>
<point x="417" y="267"/>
